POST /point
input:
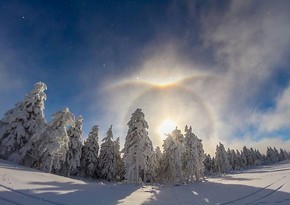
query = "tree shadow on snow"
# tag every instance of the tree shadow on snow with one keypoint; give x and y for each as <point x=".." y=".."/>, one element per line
<point x="209" y="193"/>
<point x="228" y="177"/>
<point x="66" y="193"/>
<point x="4" y="164"/>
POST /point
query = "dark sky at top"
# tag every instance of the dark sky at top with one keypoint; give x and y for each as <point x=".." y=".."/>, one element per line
<point x="79" y="47"/>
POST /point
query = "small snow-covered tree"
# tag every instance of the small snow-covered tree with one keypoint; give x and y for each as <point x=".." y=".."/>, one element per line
<point x="154" y="167"/>
<point x="272" y="155"/>
<point x="21" y="122"/>
<point x="158" y="158"/>
<point x="193" y="157"/>
<point x="75" y="145"/>
<point x="173" y="150"/>
<point x="221" y="159"/>
<point x="282" y="155"/>
<point x="90" y="150"/>
<point x="137" y="149"/>
<point x="107" y="160"/>
<point x="230" y="159"/>
<point x="120" y="170"/>
<point x="259" y="160"/>
<point x="249" y="156"/>
<point x="209" y="165"/>
<point x="243" y="160"/>
<point x="47" y="149"/>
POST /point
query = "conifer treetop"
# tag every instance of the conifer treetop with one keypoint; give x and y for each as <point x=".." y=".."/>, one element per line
<point x="137" y="121"/>
<point x="62" y="118"/>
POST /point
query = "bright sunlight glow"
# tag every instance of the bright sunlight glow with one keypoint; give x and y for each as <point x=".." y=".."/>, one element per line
<point x="166" y="127"/>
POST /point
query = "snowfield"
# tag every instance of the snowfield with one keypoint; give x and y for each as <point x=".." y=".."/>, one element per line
<point x="24" y="186"/>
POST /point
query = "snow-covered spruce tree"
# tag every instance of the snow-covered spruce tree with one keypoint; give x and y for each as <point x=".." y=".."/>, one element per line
<point x="282" y="155"/>
<point x="90" y="150"/>
<point x="209" y="165"/>
<point x="158" y="158"/>
<point x="74" y="153"/>
<point x="221" y="159"/>
<point x="158" y="154"/>
<point x="21" y="122"/>
<point x="235" y="164"/>
<point x="249" y="156"/>
<point x="238" y="160"/>
<point x="137" y="149"/>
<point x="154" y="165"/>
<point x="272" y="156"/>
<point x="277" y="154"/>
<point x="193" y="156"/>
<point x="231" y="159"/>
<point x="120" y="169"/>
<point x="173" y="150"/>
<point x="107" y="160"/>
<point x="200" y="166"/>
<point x="259" y="159"/>
<point x="47" y="149"/>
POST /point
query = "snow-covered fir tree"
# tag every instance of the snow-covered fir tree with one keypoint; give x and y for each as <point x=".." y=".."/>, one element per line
<point x="154" y="164"/>
<point x="259" y="159"/>
<point x="75" y="145"/>
<point x="120" y="169"/>
<point x="231" y="157"/>
<point x="272" y="155"/>
<point x="90" y="150"/>
<point x="21" y="122"/>
<point x="158" y="158"/>
<point x="200" y="165"/>
<point x="221" y="159"/>
<point x="249" y="156"/>
<point x="283" y="155"/>
<point x="209" y="165"/>
<point x="193" y="156"/>
<point x="173" y="150"/>
<point x="243" y="159"/>
<point x="107" y="160"/>
<point x="137" y="149"/>
<point x="47" y="149"/>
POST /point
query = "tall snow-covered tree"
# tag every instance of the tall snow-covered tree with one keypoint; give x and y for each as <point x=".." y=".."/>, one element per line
<point x="193" y="157"/>
<point x="221" y="159"/>
<point x="90" y="150"/>
<point x="107" y="160"/>
<point x="137" y="149"/>
<point x="173" y="150"/>
<point x="21" y="122"/>
<point x="47" y="149"/>
<point x="74" y="153"/>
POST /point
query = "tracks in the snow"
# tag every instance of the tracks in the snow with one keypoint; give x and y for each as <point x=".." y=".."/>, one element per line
<point x="26" y="195"/>
<point x="257" y="196"/>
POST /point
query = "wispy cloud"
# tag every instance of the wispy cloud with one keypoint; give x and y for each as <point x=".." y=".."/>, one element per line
<point x="250" y="43"/>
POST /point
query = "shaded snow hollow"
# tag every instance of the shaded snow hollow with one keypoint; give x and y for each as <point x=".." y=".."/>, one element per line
<point x="24" y="186"/>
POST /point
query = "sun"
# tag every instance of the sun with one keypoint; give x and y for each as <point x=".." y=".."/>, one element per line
<point x="166" y="127"/>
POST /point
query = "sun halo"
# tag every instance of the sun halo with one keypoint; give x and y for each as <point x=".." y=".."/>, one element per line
<point x="166" y="127"/>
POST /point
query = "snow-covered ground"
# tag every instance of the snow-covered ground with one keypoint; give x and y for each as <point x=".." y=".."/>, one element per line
<point x="266" y="185"/>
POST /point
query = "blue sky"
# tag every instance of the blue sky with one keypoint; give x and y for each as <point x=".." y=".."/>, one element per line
<point x="221" y="67"/>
